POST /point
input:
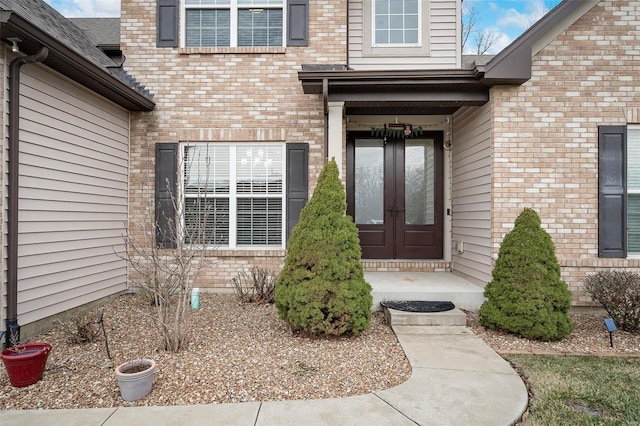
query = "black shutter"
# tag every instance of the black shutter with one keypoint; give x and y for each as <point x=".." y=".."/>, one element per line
<point x="166" y="191"/>
<point x="612" y="192"/>
<point x="298" y="23"/>
<point x="167" y="23"/>
<point x="297" y="182"/>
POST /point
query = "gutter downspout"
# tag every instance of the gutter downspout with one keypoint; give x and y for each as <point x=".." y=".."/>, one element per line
<point x="13" y="329"/>
<point x="325" y="98"/>
<point x="348" y="34"/>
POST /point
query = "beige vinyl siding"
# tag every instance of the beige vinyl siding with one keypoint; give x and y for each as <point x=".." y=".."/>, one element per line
<point x="3" y="167"/>
<point x="73" y="195"/>
<point x="355" y="35"/>
<point x="443" y="51"/>
<point x="471" y="192"/>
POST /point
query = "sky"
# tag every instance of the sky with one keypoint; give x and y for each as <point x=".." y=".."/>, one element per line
<point x="86" y="8"/>
<point x="507" y="18"/>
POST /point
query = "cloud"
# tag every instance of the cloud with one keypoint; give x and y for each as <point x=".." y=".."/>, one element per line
<point x="503" y="41"/>
<point x="510" y="22"/>
<point x="86" y="8"/>
<point x="534" y="10"/>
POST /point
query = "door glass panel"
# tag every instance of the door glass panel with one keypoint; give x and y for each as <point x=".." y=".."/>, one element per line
<point x="369" y="183"/>
<point x="419" y="182"/>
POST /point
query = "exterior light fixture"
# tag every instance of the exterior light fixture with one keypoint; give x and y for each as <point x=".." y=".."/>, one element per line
<point x="14" y="41"/>
<point x="611" y="328"/>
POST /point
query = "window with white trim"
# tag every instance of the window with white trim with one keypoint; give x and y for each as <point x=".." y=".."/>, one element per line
<point x="233" y="195"/>
<point x="633" y="189"/>
<point x="396" y="22"/>
<point x="233" y="23"/>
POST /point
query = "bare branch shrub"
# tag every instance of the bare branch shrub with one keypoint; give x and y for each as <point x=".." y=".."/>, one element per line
<point x="619" y="293"/>
<point x="258" y="285"/>
<point x="80" y="329"/>
<point x="164" y="277"/>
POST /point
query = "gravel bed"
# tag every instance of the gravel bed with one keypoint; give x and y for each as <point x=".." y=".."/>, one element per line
<point x="590" y="336"/>
<point x="244" y="352"/>
<point x="235" y="353"/>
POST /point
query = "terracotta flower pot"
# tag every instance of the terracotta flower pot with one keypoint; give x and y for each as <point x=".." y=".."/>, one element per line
<point x="25" y="363"/>
<point x="135" y="378"/>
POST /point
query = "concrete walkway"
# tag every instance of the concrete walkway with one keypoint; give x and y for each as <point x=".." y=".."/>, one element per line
<point x="456" y="380"/>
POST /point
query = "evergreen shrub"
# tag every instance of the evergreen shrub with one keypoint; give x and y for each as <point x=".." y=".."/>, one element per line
<point x="526" y="295"/>
<point x="321" y="289"/>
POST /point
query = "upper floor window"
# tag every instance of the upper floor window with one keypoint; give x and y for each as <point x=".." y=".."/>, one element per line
<point x="397" y="28"/>
<point x="396" y="22"/>
<point x="233" y="23"/>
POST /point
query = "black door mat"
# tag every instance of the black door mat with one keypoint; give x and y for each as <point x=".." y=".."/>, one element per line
<point x="418" y="306"/>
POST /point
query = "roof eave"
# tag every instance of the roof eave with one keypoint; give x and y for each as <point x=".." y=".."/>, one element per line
<point x="513" y="63"/>
<point x="312" y="81"/>
<point x="85" y="72"/>
<point x="112" y="46"/>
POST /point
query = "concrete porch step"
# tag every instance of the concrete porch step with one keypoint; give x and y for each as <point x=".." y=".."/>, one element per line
<point x="454" y="317"/>
<point x="428" y="286"/>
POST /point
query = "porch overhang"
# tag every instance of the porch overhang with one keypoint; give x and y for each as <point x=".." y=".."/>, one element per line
<point x="423" y="92"/>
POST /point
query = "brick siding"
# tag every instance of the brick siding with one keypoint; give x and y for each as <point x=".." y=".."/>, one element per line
<point x="225" y="95"/>
<point x="546" y="135"/>
<point x="545" y="131"/>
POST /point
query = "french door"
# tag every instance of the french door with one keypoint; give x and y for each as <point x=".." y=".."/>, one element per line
<point x="395" y="195"/>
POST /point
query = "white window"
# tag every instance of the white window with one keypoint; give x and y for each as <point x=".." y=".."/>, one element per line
<point x="234" y="23"/>
<point x="234" y="195"/>
<point x="396" y="22"/>
<point x="396" y="28"/>
<point x="633" y="189"/>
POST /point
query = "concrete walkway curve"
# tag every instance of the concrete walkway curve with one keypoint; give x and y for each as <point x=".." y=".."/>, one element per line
<point x="456" y="380"/>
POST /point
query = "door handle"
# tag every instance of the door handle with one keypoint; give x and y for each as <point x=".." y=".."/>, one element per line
<point x="391" y="212"/>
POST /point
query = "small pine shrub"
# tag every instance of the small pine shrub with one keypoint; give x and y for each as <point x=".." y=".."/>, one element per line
<point x="321" y="289"/>
<point x="526" y="295"/>
<point x="619" y="293"/>
<point x="258" y="285"/>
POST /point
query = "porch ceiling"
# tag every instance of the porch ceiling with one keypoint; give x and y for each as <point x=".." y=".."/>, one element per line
<point x="397" y="92"/>
<point x="400" y="108"/>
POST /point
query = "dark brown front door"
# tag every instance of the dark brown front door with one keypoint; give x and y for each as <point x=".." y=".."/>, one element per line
<point x="394" y="194"/>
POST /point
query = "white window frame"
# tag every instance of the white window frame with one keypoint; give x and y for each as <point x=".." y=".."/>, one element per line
<point x="233" y="6"/>
<point x="631" y="128"/>
<point x="395" y="45"/>
<point x="233" y="194"/>
<point x="370" y="49"/>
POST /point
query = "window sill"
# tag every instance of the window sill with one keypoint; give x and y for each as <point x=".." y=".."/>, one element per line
<point x="231" y="50"/>
<point x="398" y="51"/>
<point x="247" y="252"/>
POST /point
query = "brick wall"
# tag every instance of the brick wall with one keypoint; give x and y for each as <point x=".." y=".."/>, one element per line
<point x="546" y="134"/>
<point x="225" y="94"/>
